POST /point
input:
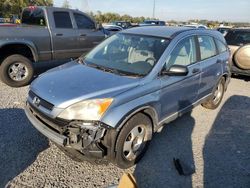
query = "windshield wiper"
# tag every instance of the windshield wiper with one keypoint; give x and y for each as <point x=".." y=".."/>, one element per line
<point x="125" y="73"/>
<point x="110" y="70"/>
<point x="116" y="71"/>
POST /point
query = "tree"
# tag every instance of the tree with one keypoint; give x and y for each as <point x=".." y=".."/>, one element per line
<point x="66" y="4"/>
<point x="40" y="2"/>
<point x="9" y="7"/>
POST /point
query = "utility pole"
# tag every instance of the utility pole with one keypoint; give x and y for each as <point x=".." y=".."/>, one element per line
<point x="154" y="10"/>
<point x="85" y="6"/>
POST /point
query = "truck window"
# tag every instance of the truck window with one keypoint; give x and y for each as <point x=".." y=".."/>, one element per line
<point x="83" y="22"/>
<point x="62" y="20"/>
<point x="238" y="37"/>
<point x="33" y="16"/>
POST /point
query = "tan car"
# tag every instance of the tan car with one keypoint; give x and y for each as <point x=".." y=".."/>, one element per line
<point x="238" y="41"/>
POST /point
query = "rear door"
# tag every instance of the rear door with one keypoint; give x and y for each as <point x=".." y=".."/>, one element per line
<point x="64" y="36"/>
<point x="180" y="92"/>
<point x="87" y="34"/>
<point x="211" y="64"/>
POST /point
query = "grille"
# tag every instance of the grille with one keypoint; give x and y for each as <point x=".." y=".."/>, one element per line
<point x="56" y="122"/>
<point x="43" y="103"/>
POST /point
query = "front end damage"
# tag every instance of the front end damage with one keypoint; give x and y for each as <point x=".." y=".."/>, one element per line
<point x="86" y="138"/>
<point x="79" y="140"/>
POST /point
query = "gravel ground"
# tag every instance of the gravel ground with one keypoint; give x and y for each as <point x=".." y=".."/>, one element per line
<point x="215" y="143"/>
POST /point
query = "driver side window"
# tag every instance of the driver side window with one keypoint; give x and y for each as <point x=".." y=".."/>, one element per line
<point x="183" y="54"/>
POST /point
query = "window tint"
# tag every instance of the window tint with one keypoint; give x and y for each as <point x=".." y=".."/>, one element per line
<point x="84" y="22"/>
<point x="238" y="37"/>
<point x="207" y="47"/>
<point x="62" y="20"/>
<point x="221" y="47"/>
<point x="183" y="54"/>
<point x="33" y="16"/>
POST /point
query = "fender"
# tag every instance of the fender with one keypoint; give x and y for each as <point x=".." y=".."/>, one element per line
<point x="29" y="44"/>
<point x="115" y="120"/>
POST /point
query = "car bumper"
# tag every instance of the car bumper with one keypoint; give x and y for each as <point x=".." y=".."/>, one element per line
<point x="42" y="128"/>
<point x="78" y="146"/>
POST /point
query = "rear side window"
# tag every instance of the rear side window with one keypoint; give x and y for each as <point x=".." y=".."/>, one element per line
<point x="33" y="16"/>
<point x="220" y="46"/>
<point x="183" y="54"/>
<point x="207" y="47"/>
<point x="238" y="37"/>
<point x="62" y="20"/>
<point x="83" y="22"/>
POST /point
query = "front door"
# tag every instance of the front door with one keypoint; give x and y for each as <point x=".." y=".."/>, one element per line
<point x="64" y="36"/>
<point x="180" y="92"/>
<point x="87" y="34"/>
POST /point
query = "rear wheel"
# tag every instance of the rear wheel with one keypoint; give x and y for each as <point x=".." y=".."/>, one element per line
<point x="16" y="71"/>
<point x="133" y="140"/>
<point x="218" y="94"/>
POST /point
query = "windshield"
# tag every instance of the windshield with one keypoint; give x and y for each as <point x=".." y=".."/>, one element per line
<point x="128" y="53"/>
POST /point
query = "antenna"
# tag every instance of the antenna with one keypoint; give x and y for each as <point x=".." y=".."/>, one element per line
<point x="154" y="10"/>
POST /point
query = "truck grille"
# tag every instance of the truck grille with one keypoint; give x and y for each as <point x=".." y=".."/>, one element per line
<point x="42" y="102"/>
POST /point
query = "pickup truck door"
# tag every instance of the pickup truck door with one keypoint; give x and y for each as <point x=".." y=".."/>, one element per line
<point x="87" y="34"/>
<point x="180" y="92"/>
<point x="64" y="36"/>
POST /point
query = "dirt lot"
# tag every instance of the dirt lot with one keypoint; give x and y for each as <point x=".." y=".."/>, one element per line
<point x="216" y="143"/>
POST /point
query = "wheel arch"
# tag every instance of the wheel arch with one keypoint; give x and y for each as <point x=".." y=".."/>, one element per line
<point x="226" y="76"/>
<point x="146" y="110"/>
<point x="24" y="48"/>
<point x="149" y="111"/>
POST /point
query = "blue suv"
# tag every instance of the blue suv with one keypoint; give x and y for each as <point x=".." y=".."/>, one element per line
<point x="105" y="106"/>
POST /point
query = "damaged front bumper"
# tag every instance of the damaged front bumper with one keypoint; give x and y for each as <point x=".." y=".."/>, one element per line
<point x="79" y="140"/>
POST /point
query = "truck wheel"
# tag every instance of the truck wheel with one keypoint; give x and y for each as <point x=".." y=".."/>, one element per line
<point x="218" y="94"/>
<point x="16" y="71"/>
<point x="133" y="140"/>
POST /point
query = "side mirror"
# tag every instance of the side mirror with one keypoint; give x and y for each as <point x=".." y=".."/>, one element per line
<point x="175" y="70"/>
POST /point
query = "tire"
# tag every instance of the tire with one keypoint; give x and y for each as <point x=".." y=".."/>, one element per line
<point x="16" y="71"/>
<point x="135" y="135"/>
<point x="242" y="57"/>
<point x="218" y="94"/>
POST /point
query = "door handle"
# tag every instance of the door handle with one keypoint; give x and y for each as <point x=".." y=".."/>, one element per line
<point x="195" y="70"/>
<point x="59" y="34"/>
<point x="83" y="35"/>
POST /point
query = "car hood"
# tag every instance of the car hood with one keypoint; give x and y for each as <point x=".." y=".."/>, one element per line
<point x="73" y="82"/>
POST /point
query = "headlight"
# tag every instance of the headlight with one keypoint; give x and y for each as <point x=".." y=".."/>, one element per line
<point x="91" y="110"/>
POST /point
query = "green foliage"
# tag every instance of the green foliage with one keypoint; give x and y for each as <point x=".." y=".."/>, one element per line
<point x="10" y="7"/>
<point x="66" y="4"/>
<point x="110" y="17"/>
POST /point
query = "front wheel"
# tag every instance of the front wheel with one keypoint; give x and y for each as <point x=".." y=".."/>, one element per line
<point x="133" y="140"/>
<point x="16" y="71"/>
<point x="218" y="94"/>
